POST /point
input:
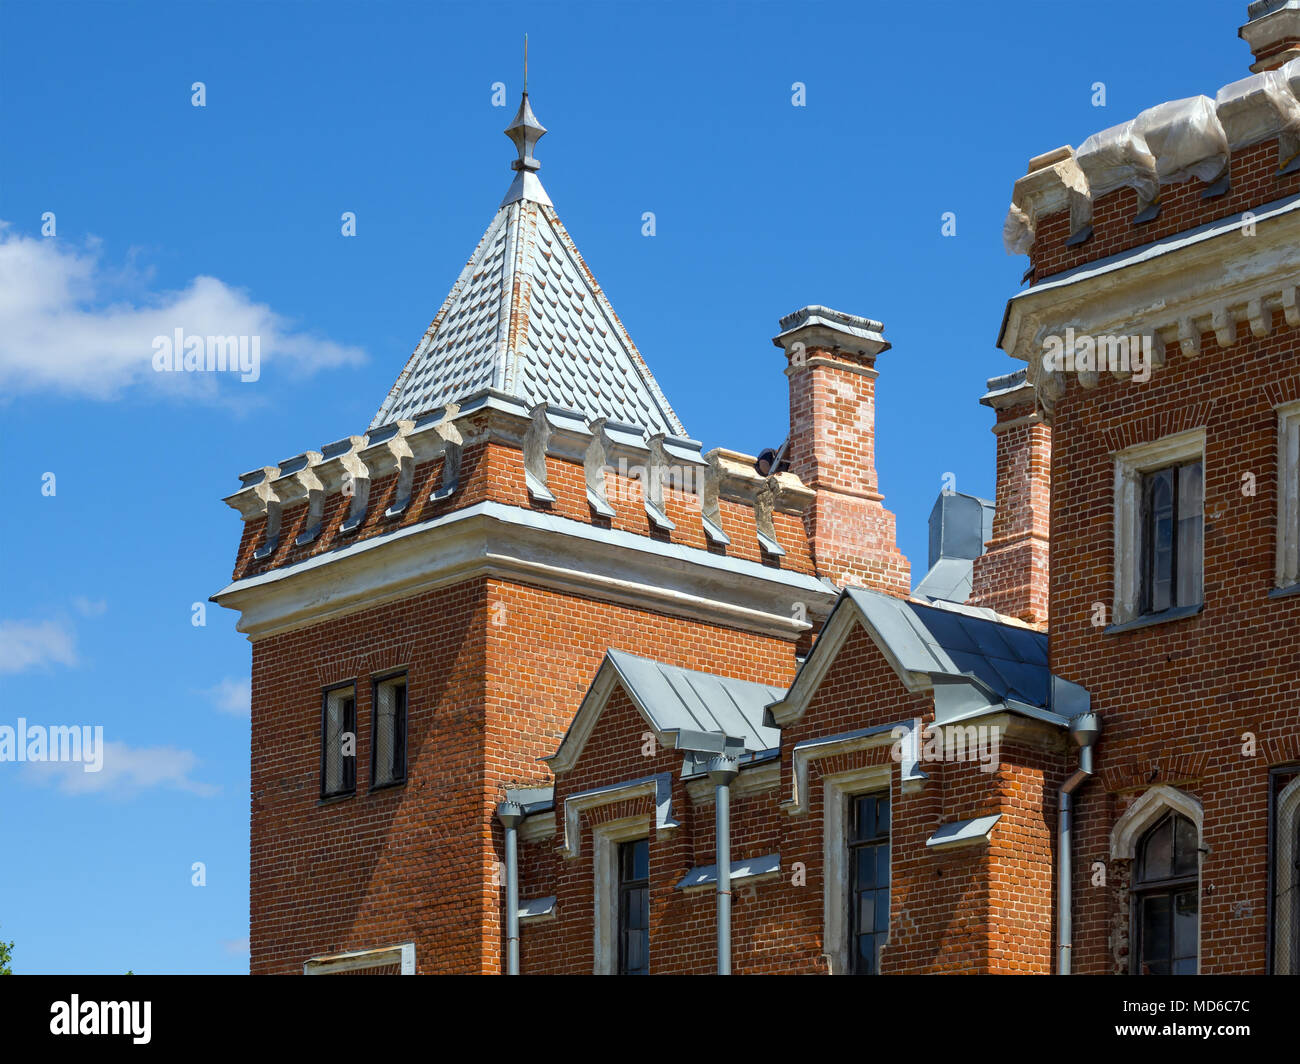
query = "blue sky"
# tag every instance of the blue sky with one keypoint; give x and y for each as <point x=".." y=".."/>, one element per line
<point x="168" y="214"/>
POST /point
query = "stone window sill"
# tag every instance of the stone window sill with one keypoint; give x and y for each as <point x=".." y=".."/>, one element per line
<point x="1178" y="613"/>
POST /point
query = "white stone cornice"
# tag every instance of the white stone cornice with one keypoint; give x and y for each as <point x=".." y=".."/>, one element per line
<point x="765" y="776"/>
<point x="491" y="539"/>
<point x="248" y="500"/>
<point x="1209" y="280"/>
<point x="739" y="481"/>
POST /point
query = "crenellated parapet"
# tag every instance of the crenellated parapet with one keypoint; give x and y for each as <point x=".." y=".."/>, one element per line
<point x="1160" y="237"/>
<point x="492" y="455"/>
<point x="1173" y="166"/>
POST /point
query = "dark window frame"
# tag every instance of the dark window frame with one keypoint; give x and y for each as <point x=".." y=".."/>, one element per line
<point x="856" y="892"/>
<point x="623" y="888"/>
<point x="1171" y="886"/>
<point x="349" y="764"/>
<point x="1146" y="547"/>
<point x="400" y="730"/>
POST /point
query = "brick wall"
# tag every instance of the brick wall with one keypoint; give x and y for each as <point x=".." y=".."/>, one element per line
<point x="1012" y="575"/>
<point x="1255" y="181"/>
<point x="1177" y="697"/>
<point x="832" y="449"/>
<point x="496" y="670"/>
<point x="982" y="908"/>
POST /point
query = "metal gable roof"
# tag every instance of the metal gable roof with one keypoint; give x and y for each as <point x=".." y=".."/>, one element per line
<point x="1010" y="661"/>
<point x="678" y="699"/>
<point x="527" y="318"/>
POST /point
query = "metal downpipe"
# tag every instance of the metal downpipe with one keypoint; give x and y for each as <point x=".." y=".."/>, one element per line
<point x="510" y="814"/>
<point x="1084" y="730"/>
<point x="722" y="770"/>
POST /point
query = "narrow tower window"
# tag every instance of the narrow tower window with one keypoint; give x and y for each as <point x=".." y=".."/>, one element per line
<point x="634" y="908"/>
<point x="338" y="757"/>
<point x="869" y="883"/>
<point x="388" y="743"/>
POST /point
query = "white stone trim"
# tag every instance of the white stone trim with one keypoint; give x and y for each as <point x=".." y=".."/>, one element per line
<point x="1175" y="286"/>
<point x="537" y="827"/>
<point x="1286" y="820"/>
<point x="843" y="743"/>
<point x="1130" y="464"/>
<point x="764" y="776"/>
<point x="507" y="542"/>
<point x="605" y="840"/>
<point x="1143" y="813"/>
<point x="1288" y="495"/>
<point x="659" y="787"/>
<point x="839" y="788"/>
<point x="354" y="960"/>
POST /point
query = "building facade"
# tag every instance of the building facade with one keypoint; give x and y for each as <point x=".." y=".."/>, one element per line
<point x="540" y="685"/>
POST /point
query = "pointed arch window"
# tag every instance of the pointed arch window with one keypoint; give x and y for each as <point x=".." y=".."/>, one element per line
<point x="1284" y="896"/>
<point x="1166" y="898"/>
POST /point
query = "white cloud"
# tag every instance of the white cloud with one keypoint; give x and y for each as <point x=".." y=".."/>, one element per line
<point x="235" y="946"/>
<point x="62" y="331"/>
<point x="31" y="644"/>
<point x="232" y="696"/>
<point x="89" y="607"/>
<point x="126" y="770"/>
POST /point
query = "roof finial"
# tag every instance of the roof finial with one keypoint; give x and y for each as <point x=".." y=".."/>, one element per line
<point x="525" y="131"/>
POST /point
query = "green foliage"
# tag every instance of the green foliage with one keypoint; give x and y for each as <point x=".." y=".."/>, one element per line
<point x="6" y="958"/>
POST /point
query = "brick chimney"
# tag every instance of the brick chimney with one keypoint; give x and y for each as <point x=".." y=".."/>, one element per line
<point x="1273" y="32"/>
<point x="832" y="446"/>
<point x="1011" y="576"/>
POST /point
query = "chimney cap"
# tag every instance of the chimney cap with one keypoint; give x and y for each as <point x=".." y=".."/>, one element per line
<point x="822" y="326"/>
<point x="1272" y="31"/>
<point x="1009" y="389"/>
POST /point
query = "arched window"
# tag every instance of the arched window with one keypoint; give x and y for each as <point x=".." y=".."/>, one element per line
<point x="1165" y="892"/>
<point x="1293" y="895"/>
<point x="1285" y="907"/>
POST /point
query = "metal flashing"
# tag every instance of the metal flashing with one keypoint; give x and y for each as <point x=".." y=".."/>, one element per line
<point x="752" y="868"/>
<point x="963" y="832"/>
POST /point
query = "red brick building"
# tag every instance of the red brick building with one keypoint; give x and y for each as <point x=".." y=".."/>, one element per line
<point x="535" y="668"/>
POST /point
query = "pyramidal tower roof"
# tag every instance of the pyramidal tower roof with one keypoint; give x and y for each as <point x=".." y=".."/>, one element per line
<point x="526" y="318"/>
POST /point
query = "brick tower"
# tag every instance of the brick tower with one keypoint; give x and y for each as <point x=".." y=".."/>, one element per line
<point x="428" y="600"/>
<point x="1163" y="253"/>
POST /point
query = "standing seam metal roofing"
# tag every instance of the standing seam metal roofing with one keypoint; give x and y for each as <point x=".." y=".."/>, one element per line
<point x="680" y="699"/>
<point x="1010" y="661"/>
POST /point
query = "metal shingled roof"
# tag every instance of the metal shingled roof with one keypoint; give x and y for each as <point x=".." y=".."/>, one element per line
<point x="526" y="317"/>
<point x="679" y="699"/>
<point x="1010" y="661"/>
